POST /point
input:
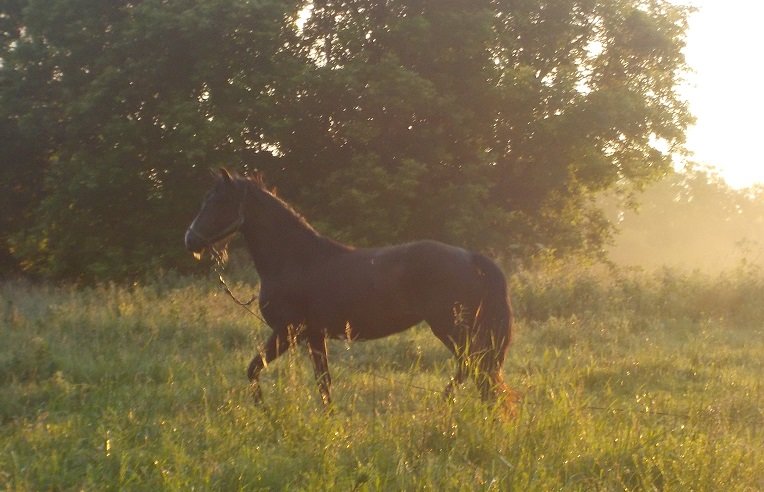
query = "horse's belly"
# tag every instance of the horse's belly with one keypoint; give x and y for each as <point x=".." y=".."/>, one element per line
<point x="369" y="326"/>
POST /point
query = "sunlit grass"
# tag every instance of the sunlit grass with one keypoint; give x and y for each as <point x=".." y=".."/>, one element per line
<point x="628" y="383"/>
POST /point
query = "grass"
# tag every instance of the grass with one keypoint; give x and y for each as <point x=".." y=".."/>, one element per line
<point x="631" y="381"/>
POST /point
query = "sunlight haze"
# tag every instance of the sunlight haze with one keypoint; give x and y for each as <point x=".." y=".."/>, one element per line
<point x="724" y="50"/>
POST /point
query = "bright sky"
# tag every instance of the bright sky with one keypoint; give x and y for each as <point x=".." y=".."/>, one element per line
<point x="725" y="47"/>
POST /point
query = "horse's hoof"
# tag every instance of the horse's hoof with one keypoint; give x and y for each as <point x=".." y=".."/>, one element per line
<point x="257" y="395"/>
<point x="328" y="408"/>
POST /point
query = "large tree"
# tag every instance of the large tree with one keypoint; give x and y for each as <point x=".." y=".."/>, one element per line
<point x="491" y="123"/>
<point x="487" y="122"/>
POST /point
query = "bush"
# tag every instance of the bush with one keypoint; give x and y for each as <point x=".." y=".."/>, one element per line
<point x="560" y="292"/>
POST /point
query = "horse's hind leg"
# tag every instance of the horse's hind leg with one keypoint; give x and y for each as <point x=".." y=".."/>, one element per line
<point x="457" y="380"/>
<point x="441" y="329"/>
<point x="493" y="390"/>
<point x="491" y="385"/>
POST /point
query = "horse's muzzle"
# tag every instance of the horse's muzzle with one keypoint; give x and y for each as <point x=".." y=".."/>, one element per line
<point x="194" y="243"/>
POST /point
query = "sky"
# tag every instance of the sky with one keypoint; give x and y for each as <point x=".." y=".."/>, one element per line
<point x="724" y="48"/>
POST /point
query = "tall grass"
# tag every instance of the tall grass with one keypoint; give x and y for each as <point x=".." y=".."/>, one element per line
<point x="629" y="380"/>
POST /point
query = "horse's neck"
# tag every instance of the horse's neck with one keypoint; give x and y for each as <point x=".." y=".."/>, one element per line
<point x="280" y="241"/>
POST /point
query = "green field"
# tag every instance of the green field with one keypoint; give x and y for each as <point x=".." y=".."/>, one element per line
<point x="631" y="381"/>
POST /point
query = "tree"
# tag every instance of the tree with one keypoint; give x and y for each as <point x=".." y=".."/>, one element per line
<point x="489" y="123"/>
<point x="123" y="106"/>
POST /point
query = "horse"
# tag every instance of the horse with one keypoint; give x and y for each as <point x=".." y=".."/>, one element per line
<point x="313" y="288"/>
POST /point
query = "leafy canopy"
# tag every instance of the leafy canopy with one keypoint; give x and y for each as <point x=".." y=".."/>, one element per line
<point x="491" y="124"/>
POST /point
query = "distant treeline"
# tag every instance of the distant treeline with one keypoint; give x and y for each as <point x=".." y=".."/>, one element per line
<point x="494" y="124"/>
<point x="692" y="220"/>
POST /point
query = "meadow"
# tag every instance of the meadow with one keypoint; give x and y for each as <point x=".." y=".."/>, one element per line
<point x="630" y="381"/>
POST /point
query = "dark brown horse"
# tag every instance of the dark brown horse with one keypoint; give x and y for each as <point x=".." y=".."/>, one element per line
<point x="313" y="288"/>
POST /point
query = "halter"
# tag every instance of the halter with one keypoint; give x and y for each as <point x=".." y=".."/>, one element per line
<point x="219" y="259"/>
<point x="235" y="226"/>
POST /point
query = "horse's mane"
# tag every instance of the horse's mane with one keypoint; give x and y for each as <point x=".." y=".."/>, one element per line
<point x="256" y="182"/>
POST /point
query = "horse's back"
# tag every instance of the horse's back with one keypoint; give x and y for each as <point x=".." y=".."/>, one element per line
<point x="439" y="267"/>
<point x="413" y="277"/>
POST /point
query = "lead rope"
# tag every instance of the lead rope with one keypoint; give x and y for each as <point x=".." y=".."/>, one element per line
<point x="219" y="264"/>
<point x="220" y="257"/>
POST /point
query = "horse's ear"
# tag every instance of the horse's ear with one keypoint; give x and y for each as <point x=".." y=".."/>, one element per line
<point x="225" y="175"/>
<point x="259" y="178"/>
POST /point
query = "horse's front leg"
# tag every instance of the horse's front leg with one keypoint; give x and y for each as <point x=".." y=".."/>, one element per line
<point x="277" y="344"/>
<point x="317" y="348"/>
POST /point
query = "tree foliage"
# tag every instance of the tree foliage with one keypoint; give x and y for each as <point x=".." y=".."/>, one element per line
<point x="113" y="101"/>
<point x="492" y="124"/>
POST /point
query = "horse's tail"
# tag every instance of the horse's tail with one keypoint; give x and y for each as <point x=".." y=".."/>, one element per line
<point x="494" y="317"/>
<point x="493" y="323"/>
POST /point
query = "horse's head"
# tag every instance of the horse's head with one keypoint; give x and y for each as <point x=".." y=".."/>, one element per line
<point x="220" y="217"/>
